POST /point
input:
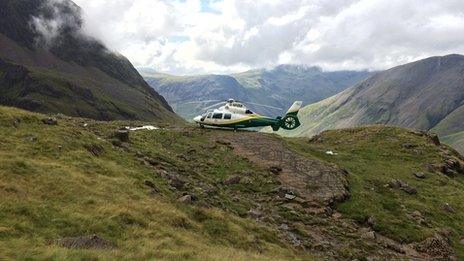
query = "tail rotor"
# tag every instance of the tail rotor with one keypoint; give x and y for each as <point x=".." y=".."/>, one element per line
<point x="290" y="121"/>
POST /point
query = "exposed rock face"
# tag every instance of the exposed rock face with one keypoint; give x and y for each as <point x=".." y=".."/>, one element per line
<point x="315" y="182"/>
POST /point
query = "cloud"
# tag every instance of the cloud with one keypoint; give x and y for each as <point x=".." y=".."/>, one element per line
<point x="57" y="16"/>
<point x="201" y="36"/>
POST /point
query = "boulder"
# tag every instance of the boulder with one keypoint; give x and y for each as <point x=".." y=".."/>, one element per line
<point x="399" y="184"/>
<point x="417" y="216"/>
<point x="254" y="213"/>
<point x="275" y="169"/>
<point x="31" y="138"/>
<point x="232" y="180"/>
<point x="371" y="222"/>
<point x="284" y="226"/>
<point x="16" y="122"/>
<point x="175" y="182"/>
<point x="50" y="121"/>
<point x="419" y="175"/>
<point x="122" y="135"/>
<point x="450" y="167"/>
<point x="290" y="196"/>
<point x="408" y="145"/>
<point x="408" y="189"/>
<point x="187" y="199"/>
<point x="433" y="137"/>
<point x="368" y="234"/>
<point x="336" y="215"/>
<point x="223" y="142"/>
<point x="448" y="208"/>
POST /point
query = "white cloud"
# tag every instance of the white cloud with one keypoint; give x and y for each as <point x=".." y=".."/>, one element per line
<point x="201" y="36"/>
<point x="59" y="18"/>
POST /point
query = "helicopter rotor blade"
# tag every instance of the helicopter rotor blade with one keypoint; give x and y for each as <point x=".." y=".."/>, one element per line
<point x="204" y="101"/>
<point x="267" y="106"/>
<point x="214" y="105"/>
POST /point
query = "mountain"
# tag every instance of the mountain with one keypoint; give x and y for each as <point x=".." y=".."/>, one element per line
<point x="84" y="190"/>
<point x="47" y="64"/>
<point x="276" y="88"/>
<point x="425" y="95"/>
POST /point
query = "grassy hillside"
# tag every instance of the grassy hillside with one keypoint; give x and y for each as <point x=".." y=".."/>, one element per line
<point x="70" y="180"/>
<point x="79" y="178"/>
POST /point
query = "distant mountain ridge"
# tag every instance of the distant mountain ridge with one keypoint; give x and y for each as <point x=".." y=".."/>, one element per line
<point x="426" y="95"/>
<point x="48" y="65"/>
<point x="277" y="87"/>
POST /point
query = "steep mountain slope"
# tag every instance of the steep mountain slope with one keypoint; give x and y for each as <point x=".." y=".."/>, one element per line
<point x="82" y="189"/>
<point x="455" y="140"/>
<point x="48" y="65"/>
<point x="426" y="95"/>
<point x="277" y="87"/>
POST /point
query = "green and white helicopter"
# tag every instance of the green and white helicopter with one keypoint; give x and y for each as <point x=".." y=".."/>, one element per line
<point x="234" y="114"/>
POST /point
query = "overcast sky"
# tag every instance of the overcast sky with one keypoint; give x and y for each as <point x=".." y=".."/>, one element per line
<point x="224" y="36"/>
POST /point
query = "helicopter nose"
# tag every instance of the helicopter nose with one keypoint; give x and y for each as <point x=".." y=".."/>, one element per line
<point x="197" y="119"/>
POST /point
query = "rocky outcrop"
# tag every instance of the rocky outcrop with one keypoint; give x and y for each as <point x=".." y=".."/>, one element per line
<point x="315" y="182"/>
<point x="437" y="246"/>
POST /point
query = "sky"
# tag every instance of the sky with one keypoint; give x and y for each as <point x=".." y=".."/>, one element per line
<point x="226" y="36"/>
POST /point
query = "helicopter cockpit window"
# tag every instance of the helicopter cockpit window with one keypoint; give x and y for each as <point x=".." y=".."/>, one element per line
<point x="217" y="116"/>
<point x="238" y="105"/>
<point x="209" y="115"/>
<point x="227" y="116"/>
<point x="248" y="112"/>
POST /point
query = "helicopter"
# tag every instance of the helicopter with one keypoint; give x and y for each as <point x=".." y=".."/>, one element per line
<point x="234" y="114"/>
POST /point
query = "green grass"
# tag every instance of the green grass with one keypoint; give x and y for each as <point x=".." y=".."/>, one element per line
<point x="373" y="156"/>
<point x="71" y="180"/>
<point x="52" y="186"/>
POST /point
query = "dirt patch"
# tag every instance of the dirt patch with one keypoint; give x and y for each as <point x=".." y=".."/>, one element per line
<point x="316" y="182"/>
<point x="86" y="242"/>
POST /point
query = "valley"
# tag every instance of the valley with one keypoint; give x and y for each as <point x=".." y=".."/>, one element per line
<point x="273" y="88"/>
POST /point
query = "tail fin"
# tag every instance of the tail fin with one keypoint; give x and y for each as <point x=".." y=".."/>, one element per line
<point x="294" y="108"/>
<point x="291" y="121"/>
